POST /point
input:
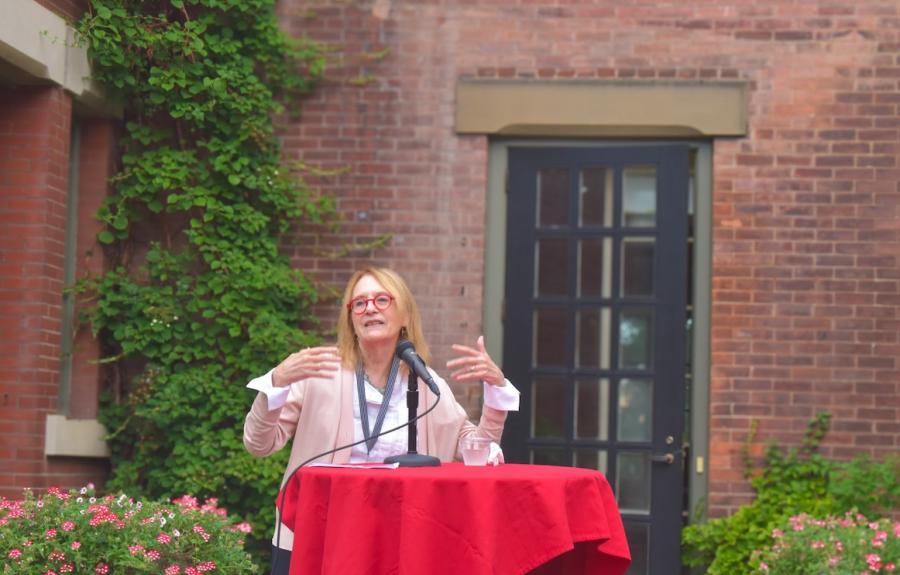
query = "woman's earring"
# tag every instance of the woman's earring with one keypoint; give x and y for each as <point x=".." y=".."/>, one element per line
<point x="403" y="332"/>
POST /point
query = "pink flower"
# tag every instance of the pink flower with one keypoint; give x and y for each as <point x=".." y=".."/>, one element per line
<point x="163" y="538"/>
<point x="890" y="567"/>
<point x="75" y="545"/>
<point x="58" y="493"/>
<point x="191" y="571"/>
<point x="874" y="561"/>
<point x="27" y="543"/>
<point x="763" y="567"/>
<point x="206" y="566"/>
<point x="833" y="561"/>
<point x="57" y="556"/>
<point x="776" y="533"/>
<point x="135" y="549"/>
<point x="817" y="544"/>
<point x="152" y="554"/>
<point x="68" y="526"/>
<point x="173" y="570"/>
<point x="15" y="554"/>
<point x="101" y="569"/>
<point x="51" y="572"/>
<point x="67" y="568"/>
<point x="50" y="533"/>
<point x="243" y="527"/>
<point x="186" y="501"/>
<point x="199" y="529"/>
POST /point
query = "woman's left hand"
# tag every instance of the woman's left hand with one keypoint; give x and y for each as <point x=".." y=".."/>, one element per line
<point x="474" y="364"/>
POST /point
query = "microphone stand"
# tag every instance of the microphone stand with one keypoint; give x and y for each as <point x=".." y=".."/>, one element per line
<point x="412" y="458"/>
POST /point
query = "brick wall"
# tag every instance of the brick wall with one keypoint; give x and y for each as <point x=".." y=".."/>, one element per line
<point x="805" y="274"/>
<point x="34" y="155"/>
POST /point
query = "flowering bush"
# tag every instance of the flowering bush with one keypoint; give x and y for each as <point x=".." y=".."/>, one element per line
<point x="851" y="545"/>
<point x="76" y="532"/>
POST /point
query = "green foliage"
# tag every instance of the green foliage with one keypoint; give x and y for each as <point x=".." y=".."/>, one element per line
<point x="76" y="532"/>
<point x="198" y="297"/>
<point x="832" y="546"/>
<point x="789" y="483"/>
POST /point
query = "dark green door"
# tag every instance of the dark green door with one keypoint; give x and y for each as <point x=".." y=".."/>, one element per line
<point x="594" y="321"/>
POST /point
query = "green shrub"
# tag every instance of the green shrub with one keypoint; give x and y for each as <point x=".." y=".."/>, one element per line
<point x="77" y="532"/>
<point x="832" y="546"/>
<point x="789" y="483"/>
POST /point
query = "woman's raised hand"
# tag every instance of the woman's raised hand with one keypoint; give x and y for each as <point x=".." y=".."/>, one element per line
<point x="474" y="364"/>
<point x="310" y="362"/>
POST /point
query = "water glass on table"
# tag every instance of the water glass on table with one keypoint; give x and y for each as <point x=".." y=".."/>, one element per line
<point x="475" y="450"/>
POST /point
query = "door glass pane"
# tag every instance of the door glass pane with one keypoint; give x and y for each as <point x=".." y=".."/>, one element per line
<point x="639" y="196"/>
<point x="546" y="456"/>
<point x="593" y="328"/>
<point x="596" y="197"/>
<point x="548" y="407"/>
<point x="549" y="346"/>
<point x="591" y="459"/>
<point x="635" y="420"/>
<point x="637" y="266"/>
<point x="592" y="409"/>
<point x="552" y="197"/>
<point x="636" y="339"/>
<point x="638" y="535"/>
<point x="633" y="482"/>
<point x="551" y="267"/>
<point x="595" y="267"/>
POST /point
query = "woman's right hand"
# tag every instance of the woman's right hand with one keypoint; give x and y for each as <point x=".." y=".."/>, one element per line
<point x="310" y="362"/>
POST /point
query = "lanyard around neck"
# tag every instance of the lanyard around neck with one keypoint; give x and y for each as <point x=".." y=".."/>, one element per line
<point x="372" y="436"/>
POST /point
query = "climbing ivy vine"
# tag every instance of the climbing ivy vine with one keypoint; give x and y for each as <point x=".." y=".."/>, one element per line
<point x="198" y="297"/>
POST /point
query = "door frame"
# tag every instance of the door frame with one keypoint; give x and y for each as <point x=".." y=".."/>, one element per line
<point x="495" y="279"/>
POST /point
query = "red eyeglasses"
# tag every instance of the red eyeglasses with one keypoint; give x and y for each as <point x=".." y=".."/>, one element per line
<point x="381" y="301"/>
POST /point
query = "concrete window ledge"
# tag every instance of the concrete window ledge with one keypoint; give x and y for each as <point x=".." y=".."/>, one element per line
<point x="75" y="438"/>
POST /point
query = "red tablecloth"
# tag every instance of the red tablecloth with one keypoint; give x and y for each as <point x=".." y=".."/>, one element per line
<point x="504" y="520"/>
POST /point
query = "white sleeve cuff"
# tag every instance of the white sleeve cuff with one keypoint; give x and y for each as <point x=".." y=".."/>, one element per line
<point x="276" y="396"/>
<point x="505" y="398"/>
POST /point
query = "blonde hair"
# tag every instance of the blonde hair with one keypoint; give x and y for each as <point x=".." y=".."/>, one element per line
<point x="347" y="344"/>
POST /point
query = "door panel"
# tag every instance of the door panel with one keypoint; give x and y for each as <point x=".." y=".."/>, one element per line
<point x="594" y="325"/>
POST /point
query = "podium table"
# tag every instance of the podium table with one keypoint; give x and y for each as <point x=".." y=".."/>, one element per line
<point x="504" y="520"/>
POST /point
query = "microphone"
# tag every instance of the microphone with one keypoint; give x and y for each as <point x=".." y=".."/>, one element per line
<point x="407" y="352"/>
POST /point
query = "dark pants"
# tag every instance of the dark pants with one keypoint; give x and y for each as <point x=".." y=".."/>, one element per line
<point x="281" y="561"/>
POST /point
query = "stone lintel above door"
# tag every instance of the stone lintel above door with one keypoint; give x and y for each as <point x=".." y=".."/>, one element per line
<point x="597" y="108"/>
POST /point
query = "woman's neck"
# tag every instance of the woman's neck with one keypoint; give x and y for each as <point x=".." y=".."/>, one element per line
<point x="376" y="360"/>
